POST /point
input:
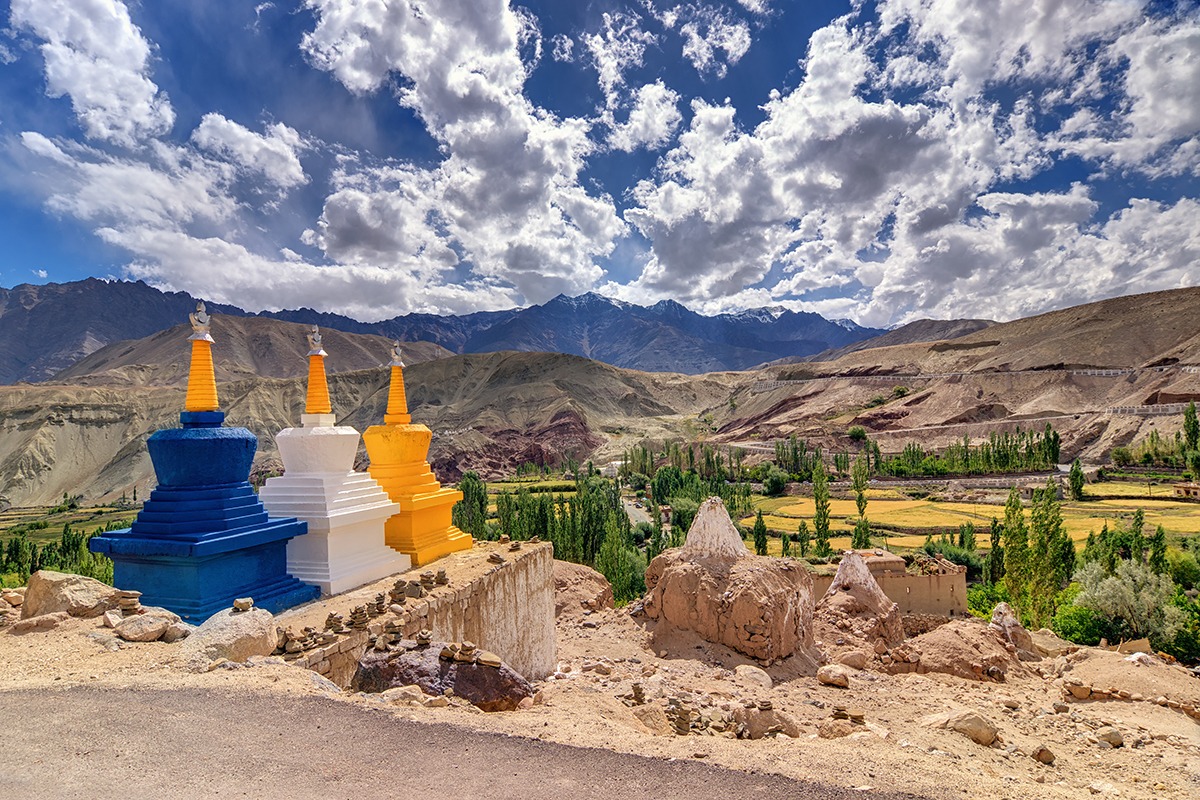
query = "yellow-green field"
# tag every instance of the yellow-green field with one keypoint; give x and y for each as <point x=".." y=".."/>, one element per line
<point x="85" y="519"/>
<point x="913" y="520"/>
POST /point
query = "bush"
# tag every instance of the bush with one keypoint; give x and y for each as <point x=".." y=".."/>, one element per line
<point x="1079" y="625"/>
<point x="900" y="391"/>
<point x="1185" y="570"/>
<point x="956" y="555"/>
<point x="875" y="401"/>
<point x="775" y="482"/>
<point x="857" y="433"/>
<point x="982" y="598"/>
<point x="1122" y="457"/>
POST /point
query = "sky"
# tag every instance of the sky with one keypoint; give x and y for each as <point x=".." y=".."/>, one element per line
<point x="878" y="161"/>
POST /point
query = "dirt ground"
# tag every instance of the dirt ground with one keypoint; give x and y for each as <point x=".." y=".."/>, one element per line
<point x="602" y="654"/>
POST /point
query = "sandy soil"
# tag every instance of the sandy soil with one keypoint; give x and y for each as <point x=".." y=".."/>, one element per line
<point x="581" y="705"/>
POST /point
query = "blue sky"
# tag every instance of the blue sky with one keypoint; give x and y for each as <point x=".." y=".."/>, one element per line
<point x="882" y="161"/>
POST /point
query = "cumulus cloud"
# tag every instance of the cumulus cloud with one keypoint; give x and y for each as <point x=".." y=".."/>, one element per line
<point x="273" y="156"/>
<point x="96" y="55"/>
<point x="507" y="196"/>
<point x="652" y="120"/>
<point x="713" y="39"/>
<point x="562" y="48"/>
<point x="619" y="46"/>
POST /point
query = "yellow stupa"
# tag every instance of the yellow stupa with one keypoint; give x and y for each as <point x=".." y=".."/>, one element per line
<point x="399" y="451"/>
<point x="317" y="399"/>
<point x="202" y="379"/>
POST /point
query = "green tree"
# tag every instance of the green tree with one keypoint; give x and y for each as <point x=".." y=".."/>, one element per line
<point x="1050" y="558"/>
<point x="1015" y="539"/>
<point x="857" y="433"/>
<point x="821" y="515"/>
<point x="760" y="534"/>
<point x="803" y="538"/>
<point x="621" y="563"/>
<point x="470" y="513"/>
<point x="785" y="545"/>
<point x="775" y="482"/>
<point x="861" y="538"/>
<point x="1076" y="480"/>
<point x="1191" y="427"/>
<point x="993" y="570"/>
<point x="1158" y="552"/>
<point x="966" y="537"/>
<point x="859" y="479"/>
<point x="1137" y="535"/>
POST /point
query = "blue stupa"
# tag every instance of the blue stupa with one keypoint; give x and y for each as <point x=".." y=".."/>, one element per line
<point x="203" y="538"/>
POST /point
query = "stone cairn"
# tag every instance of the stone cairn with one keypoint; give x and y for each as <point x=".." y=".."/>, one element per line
<point x="428" y="580"/>
<point x="636" y="696"/>
<point x="378" y="606"/>
<point x="129" y="602"/>
<point x="854" y="715"/>
<point x="466" y="652"/>
<point x="415" y="589"/>
<point x="681" y="716"/>
<point x="358" y="618"/>
<point x="424" y="638"/>
<point x="442" y="579"/>
<point x="292" y="645"/>
<point x="514" y="547"/>
<point x="334" y="623"/>
<point x="495" y="558"/>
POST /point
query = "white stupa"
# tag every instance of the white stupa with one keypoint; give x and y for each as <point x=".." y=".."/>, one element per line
<point x="345" y="510"/>
<point x="713" y="534"/>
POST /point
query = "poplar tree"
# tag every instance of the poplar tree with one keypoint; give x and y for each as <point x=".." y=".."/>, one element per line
<point x="821" y="515"/>
<point x="803" y="537"/>
<point x="760" y="534"/>
<point x="1191" y="427"/>
<point x="785" y="544"/>
<point x="1075" y="479"/>
<point x="1015" y="538"/>
<point x="1158" y="551"/>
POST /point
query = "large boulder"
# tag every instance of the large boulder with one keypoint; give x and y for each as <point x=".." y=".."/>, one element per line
<point x="971" y="724"/>
<point x="234" y="635"/>
<point x="49" y="592"/>
<point x="1006" y="625"/>
<point x="578" y="588"/>
<point x="855" y="604"/>
<point x="713" y="587"/>
<point x="491" y="688"/>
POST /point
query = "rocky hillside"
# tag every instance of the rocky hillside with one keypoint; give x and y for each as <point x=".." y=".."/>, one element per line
<point x="488" y="412"/>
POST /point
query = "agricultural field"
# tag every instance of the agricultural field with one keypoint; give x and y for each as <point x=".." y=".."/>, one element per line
<point x="45" y="523"/>
<point x="907" y="521"/>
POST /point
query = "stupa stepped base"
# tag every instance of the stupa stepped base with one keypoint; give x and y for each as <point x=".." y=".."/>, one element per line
<point x="344" y="547"/>
<point x="422" y="529"/>
<point x="171" y="575"/>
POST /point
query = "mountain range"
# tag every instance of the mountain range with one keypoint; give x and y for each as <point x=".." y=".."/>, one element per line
<point x="45" y="329"/>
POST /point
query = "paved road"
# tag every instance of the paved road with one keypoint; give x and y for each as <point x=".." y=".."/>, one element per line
<point x="636" y="514"/>
<point x="130" y="744"/>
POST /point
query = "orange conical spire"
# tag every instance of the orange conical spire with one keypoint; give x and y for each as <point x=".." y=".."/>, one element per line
<point x="202" y="380"/>
<point x="317" y="401"/>
<point x="397" y="407"/>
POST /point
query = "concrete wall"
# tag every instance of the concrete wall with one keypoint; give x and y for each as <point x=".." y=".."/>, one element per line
<point x="945" y="595"/>
<point x="508" y="610"/>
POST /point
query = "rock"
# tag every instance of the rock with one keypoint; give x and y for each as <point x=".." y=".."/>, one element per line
<point x="440" y="701"/>
<point x="578" y="588"/>
<point x="834" y="675"/>
<point x="854" y="659"/>
<point x="855" y="600"/>
<point x="836" y="728"/>
<point x="324" y="684"/>
<point x="1079" y="692"/>
<point x="761" y="607"/>
<point x="490" y="688"/>
<point x="971" y="724"/>
<point x="757" y="722"/>
<point x="12" y="597"/>
<point x="1110" y="736"/>
<point x="234" y="635"/>
<point x="1047" y="644"/>
<point x="112" y="618"/>
<point x="1042" y="753"/>
<point x="753" y="675"/>
<point x="1009" y="628"/>
<point x="177" y="631"/>
<point x="105" y="640"/>
<point x="49" y="592"/>
<point x="41" y="623"/>
<point x="243" y="604"/>
<point x="966" y="648"/>
<point x="403" y="694"/>
<point x="142" y="628"/>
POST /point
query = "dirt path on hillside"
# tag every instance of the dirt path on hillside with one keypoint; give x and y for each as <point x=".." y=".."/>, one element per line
<point x="86" y="742"/>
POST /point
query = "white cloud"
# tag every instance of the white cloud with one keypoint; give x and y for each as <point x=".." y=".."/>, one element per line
<point x="507" y="196"/>
<point x="562" y="48"/>
<point x="652" y="120"/>
<point x="618" y="47"/>
<point x="41" y="273"/>
<point x="96" y="55"/>
<point x="272" y="156"/>
<point x="713" y="39"/>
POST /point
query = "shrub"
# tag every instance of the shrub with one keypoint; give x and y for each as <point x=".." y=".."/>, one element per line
<point x="857" y="433"/>
<point x="1079" y="625"/>
<point x="900" y="391"/>
<point x="875" y="401"/>
<point x="775" y="482"/>
<point x="1185" y="570"/>
<point x="956" y="555"/>
<point x="982" y="598"/>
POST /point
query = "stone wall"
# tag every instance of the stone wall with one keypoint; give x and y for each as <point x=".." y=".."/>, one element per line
<point x="944" y="595"/>
<point x="509" y="609"/>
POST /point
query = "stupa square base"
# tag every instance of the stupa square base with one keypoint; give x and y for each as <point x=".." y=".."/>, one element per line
<point x="197" y="586"/>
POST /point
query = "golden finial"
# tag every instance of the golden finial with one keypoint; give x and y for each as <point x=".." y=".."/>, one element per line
<point x="202" y="381"/>
<point x="317" y="401"/>
<point x="397" y="407"/>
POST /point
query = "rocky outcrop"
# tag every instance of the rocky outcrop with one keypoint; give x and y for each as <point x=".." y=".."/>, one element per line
<point x="966" y="648"/>
<point x="971" y="724"/>
<point x="49" y="592"/>
<point x="1006" y="625"/>
<point x="491" y="687"/>
<point x="855" y="605"/>
<point x="578" y="588"/>
<point x="233" y="635"/>
<point x="713" y="587"/>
